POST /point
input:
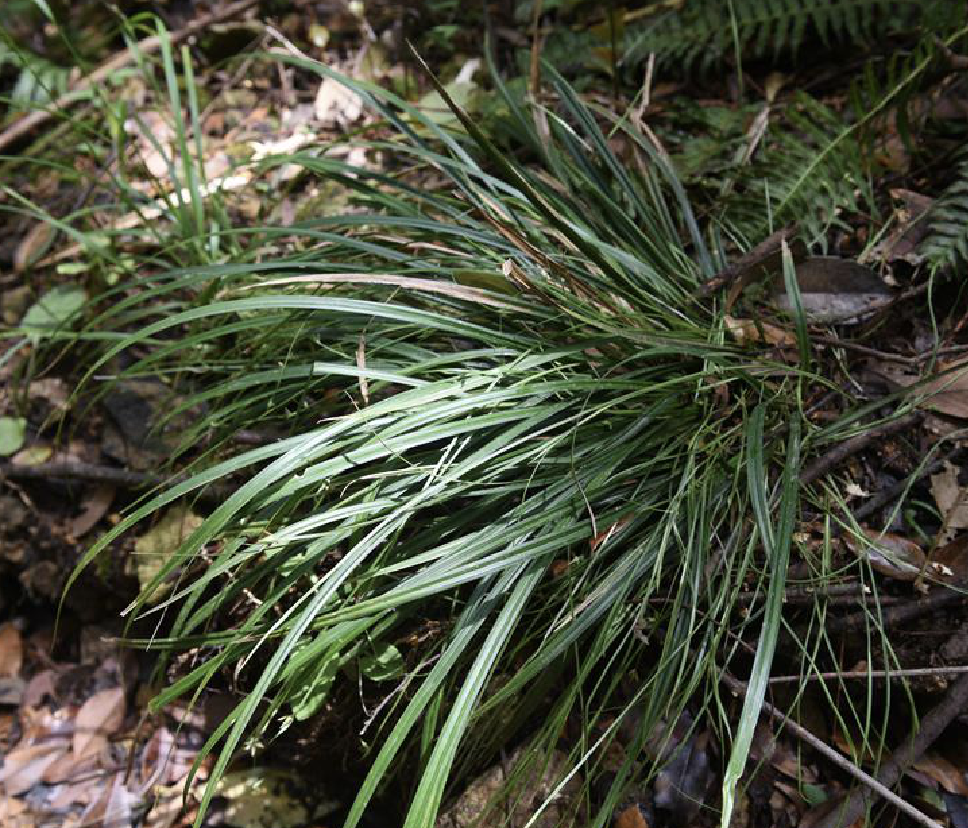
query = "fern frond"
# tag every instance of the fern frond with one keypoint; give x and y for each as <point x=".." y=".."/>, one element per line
<point x="704" y="32"/>
<point x="947" y="241"/>
<point x="810" y="171"/>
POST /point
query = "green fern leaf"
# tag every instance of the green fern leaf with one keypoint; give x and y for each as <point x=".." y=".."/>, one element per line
<point x="704" y="32"/>
<point x="811" y="170"/>
<point x="947" y="241"/>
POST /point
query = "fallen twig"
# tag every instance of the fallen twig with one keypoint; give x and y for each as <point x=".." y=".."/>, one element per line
<point x="882" y="498"/>
<point x="921" y="738"/>
<point x="124" y="478"/>
<point x="38" y="117"/>
<point x="884" y="356"/>
<point x="914" y="672"/>
<point x="823" y="464"/>
<point x="832" y="593"/>
<point x="900" y="614"/>
<point x="824" y="749"/>
<point x="73" y="470"/>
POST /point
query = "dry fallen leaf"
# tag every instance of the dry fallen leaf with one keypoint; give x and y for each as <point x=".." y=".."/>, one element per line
<point x="952" y="500"/>
<point x="946" y="392"/>
<point x="24" y="766"/>
<point x="944" y="772"/>
<point x="39" y="687"/>
<point x="11" y="651"/>
<point x="33" y="245"/>
<point x="631" y="817"/>
<point x="15" y="813"/>
<point x="909" y="230"/>
<point x="99" y="717"/>
<point x="69" y="767"/>
<point x="889" y="554"/>
<point x="80" y="793"/>
<point x="953" y="558"/>
<point x="834" y="290"/>
<point x="162" y="762"/>
<point x="95" y="504"/>
<point x="114" y="808"/>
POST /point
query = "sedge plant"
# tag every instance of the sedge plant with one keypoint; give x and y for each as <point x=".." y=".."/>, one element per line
<point x="499" y="400"/>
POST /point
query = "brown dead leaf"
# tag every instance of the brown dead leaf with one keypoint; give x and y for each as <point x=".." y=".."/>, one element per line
<point x="99" y="717"/>
<point x="94" y="505"/>
<point x="162" y="761"/>
<point x="33" y="245"/>
<point x="168" y="809"/>
<point x="68" y="766"/>
<point x="39" y="687"/>
<point x="608" y="534"/>
<point x="952" y="500"/>
<point x="950" y="561"/>
<point x="889" y="554"/>
<point x="909" y="230"/>
<point x="631" y="817"/>
<point x="11" y="651"/>
<point x="834" y="290"/>
<point x="53" y="391"/>
<point x="32" y="455"/>
<point x="15" y="814"/>
<point x="155" y="139"/>
<point x="80" y="793"/>
<point x="24" y="766"/>
<point x="944" y="772"/>
<point x="946" y="392"/>
<point x="857" y="748"/>
<point x="41" y="724"/>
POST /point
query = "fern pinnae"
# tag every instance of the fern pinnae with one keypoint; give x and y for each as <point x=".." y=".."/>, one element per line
<point x="947" y="241"/>
<point x="763" y="28"/>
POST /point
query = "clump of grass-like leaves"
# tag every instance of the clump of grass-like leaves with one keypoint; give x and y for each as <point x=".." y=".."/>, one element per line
<point x="538" y="431"/>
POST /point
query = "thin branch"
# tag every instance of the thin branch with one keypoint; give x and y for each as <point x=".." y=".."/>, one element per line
<point x="824" y="749"/>
<point x="918" y="741"/>
<point x="884" y="356"/>
<point x="882" y="498"/>
<point x="822" y="465"/>
<point x="892" y="616"/>
<point x="914" y="672"/>
<point x="73" y="470"/>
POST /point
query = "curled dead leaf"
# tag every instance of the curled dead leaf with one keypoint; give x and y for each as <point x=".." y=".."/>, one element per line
<point x="99" y="717"/>
<point x="631" y="817"/>
<point x="952" y="500"/>
<point x="889" y="554"/>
